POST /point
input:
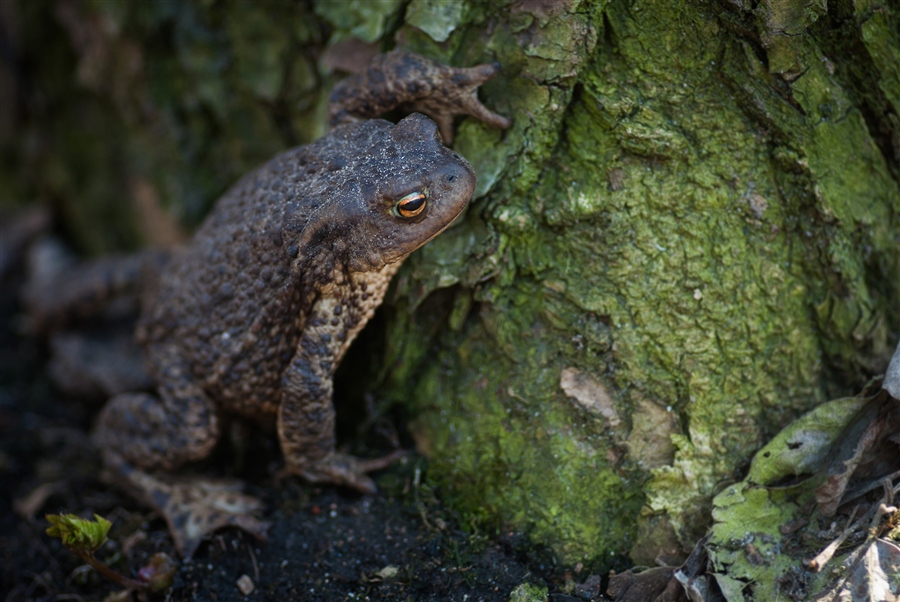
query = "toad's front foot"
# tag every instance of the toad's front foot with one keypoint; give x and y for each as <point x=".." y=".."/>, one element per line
<point x="347" y="470"/>
<point x="456" y="93"/>
<point x="413" y="82"/>
<point x="193" y="508"/>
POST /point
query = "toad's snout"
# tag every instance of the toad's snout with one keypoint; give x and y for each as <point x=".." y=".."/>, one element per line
<point x="457" y="177"/>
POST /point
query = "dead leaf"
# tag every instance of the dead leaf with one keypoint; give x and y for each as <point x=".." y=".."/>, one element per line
<point x="653" y="585"/>
<point x="871" y="453"/>
<point x="829" y="494"/>
<point x="694" y="577"/>
<point x="875" y="577"/>
<point x="590" y="394"/>
<point x="650" y="441"/>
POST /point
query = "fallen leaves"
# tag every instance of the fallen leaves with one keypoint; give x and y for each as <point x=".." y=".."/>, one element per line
<point x="837" y="465"/>
<point x="816" y="517"/>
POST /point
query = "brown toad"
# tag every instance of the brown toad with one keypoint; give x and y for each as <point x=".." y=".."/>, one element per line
<point x="254" y="315"/>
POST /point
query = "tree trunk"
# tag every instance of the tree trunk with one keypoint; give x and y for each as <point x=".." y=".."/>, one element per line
<point x="690" y="234"/>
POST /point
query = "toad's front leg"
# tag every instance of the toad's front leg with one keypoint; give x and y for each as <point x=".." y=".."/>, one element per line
<point x="306" y="418"/>
<point x="411" y="81"/>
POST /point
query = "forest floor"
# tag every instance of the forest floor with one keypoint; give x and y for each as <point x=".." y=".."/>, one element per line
<point x="324" y="543"/>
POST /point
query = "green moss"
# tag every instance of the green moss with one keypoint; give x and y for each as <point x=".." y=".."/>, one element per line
<point x="532" y="463"/>
<point x="638" y="232"/>
<point x="876" y="28"/>
<point x="436" y="18"/>
<point x="363" y="19"/>
<point x="528" y="593"/>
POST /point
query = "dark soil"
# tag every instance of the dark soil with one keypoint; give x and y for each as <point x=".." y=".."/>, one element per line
<point x="324" y="543"/>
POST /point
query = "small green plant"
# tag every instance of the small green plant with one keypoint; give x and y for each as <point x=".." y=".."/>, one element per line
<point x="84" y="537"/>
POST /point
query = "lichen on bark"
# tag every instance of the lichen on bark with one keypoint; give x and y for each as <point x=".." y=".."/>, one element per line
<point x="668" y="218"/>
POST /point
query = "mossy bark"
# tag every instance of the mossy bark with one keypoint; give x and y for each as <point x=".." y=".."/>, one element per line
<point x="690" y="235"/>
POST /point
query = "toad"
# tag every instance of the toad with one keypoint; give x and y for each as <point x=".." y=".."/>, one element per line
<point x="253" y="316"/>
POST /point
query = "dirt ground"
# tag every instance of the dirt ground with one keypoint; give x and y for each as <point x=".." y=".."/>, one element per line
<point x="324" y="543"/>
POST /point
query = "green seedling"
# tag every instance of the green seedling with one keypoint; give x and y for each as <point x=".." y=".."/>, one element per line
<point x="84" y="537"/>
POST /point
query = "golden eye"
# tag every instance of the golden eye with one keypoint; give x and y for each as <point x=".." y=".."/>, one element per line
<point x="411" y="205"/>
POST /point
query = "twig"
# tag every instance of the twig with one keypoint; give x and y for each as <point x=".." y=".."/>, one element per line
<point x="109" y="573"/>
<point x="255" y="565"/>
<point x="874" y="516"/>
<point x="884" y="508"/>
<point x="867" y="487"/>
<point x="819" y="562"/>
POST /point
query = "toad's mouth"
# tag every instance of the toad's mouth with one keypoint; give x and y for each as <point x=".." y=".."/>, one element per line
<point x="447" y="225"/>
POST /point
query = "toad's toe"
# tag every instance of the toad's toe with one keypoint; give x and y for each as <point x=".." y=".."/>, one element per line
<point x="347" y="470"/>
<point x="195" y="510"/>
<point x="196" y="507"/>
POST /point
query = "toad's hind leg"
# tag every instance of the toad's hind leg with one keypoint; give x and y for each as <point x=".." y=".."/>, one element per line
<point x="164" y="432"/>
<point x="193" y="507"/>
<point x="61" y="290"/>
<point x="139" y="431"/>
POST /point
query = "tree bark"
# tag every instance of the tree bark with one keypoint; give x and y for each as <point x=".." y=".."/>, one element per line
<point x="690" y="234"/>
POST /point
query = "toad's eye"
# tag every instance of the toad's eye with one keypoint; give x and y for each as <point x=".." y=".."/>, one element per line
<point x="411" y="205"/>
